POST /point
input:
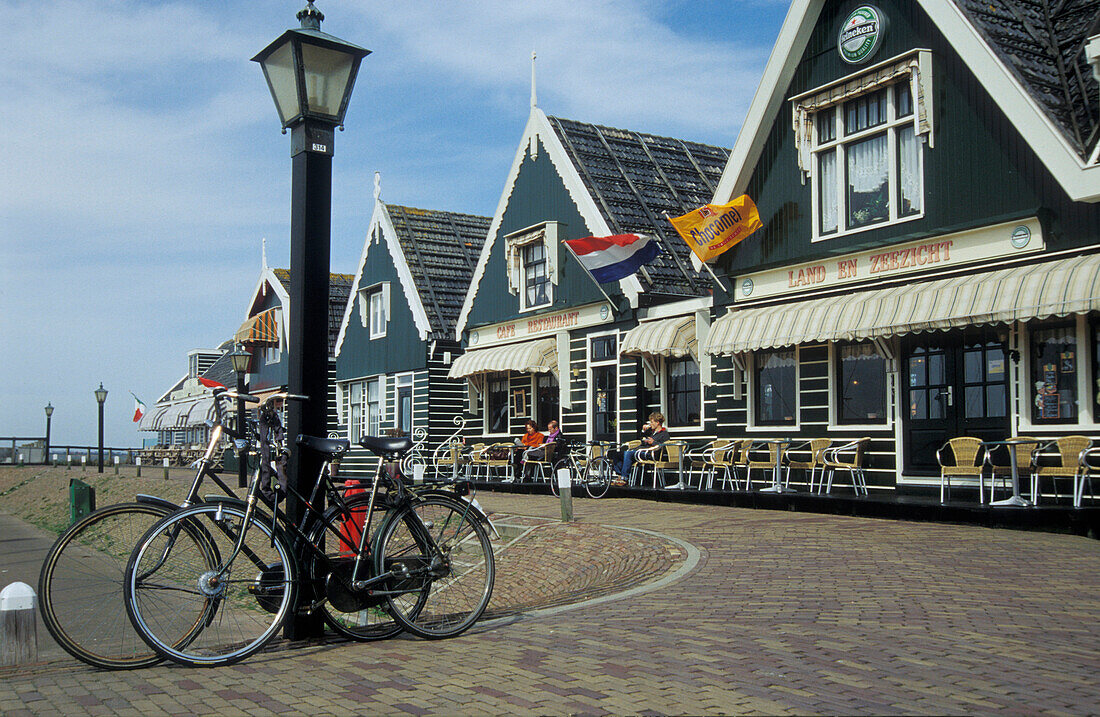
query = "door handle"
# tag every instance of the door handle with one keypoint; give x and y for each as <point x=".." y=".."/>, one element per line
<point x="949" y="392"/>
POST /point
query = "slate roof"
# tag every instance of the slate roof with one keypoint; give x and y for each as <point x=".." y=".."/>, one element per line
<point x="441" y="250"/>
<point x="222" y="369"/>
<point x="339" y="289"/>
<point x="1043" y="43"/>
<point x="634" y="177"/>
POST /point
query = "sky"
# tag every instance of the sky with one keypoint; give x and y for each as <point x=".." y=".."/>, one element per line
<point x="144" y="164"/>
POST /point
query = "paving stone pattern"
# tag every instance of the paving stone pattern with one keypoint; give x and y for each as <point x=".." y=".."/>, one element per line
<point x="785" y="613"/>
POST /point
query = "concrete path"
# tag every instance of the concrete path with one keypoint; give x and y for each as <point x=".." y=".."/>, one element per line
<point x="782" y="613"/>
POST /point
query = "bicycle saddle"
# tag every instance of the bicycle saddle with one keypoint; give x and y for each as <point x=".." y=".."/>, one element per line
<point x="334" y="447"/>
<point x="382" y="446"/>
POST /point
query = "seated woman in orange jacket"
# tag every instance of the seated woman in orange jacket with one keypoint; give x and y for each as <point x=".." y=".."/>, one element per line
<point x="531" y="438"/>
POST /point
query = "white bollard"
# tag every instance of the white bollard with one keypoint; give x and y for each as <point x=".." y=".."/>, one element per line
<point x="116" y="465"/>
<point x="165" y="469"/>
<point x="137" y="462"/>
<point x="18" y="636"/>
<point x="418" y="474"/>
<point x="84" y="463"/>
<point x="565" y="492"/>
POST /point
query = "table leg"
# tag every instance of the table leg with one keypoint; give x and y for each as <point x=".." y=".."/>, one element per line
<point x="1015" y="500"/>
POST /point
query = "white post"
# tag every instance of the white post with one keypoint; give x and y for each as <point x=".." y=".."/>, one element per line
<point x="18" y="636"/>
<point x="565" y="491"/>
<point x="418" y="473"/>
<point x="137" y="462"/>
<point x="116" y="465"/>
<point x="84" y="463"/>
<point x="165" y="469"/>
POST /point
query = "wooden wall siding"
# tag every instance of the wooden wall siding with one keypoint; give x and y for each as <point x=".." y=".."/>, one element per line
<point x="974" y="142"/>
<point x="538" y="196"/>
<point x="401" y="348"/>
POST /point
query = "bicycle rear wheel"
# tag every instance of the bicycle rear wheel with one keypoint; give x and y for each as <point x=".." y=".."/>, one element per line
<point x="349" y="612"/>
<point x="197" y="601"/>
<point x="80" y="587"/>
<point x="597" y="476"/>
<point x="554" y="488"/>
<point x="443" y="565"/>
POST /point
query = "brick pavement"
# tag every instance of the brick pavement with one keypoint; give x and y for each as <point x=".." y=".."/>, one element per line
<point x="784" y="613"/>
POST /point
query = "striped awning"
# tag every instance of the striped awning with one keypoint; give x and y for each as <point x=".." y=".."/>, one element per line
<point x="1036" y="291"/>
<point x="152" y="420"/>
<point x="263" y="328"/>
<point x="527" y="357"/>
<point x="667" y="337"/>
<point x="198" y="412"/>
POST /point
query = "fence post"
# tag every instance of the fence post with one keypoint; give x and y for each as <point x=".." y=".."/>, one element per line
<point x="18" y="635"/>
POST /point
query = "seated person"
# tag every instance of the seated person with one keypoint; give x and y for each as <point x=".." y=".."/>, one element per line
<point x="657" y="435"/>
<point x="553" y="435"/>
<point x="531" y="438"/>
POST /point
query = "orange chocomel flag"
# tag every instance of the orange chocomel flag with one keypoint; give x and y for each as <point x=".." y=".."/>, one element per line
<point x="713" y="228"/>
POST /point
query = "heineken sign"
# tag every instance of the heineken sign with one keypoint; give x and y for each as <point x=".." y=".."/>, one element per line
<point x="861" y="34"/>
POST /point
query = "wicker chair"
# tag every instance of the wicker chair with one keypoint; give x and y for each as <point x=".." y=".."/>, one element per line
<point x="699" y="461"/>
<point x="482" y="458"/>
<point x="669" y="459"/>
<point x="964" y="463"/>
<point x="775" y="457"/>
<point x="1089" y="458"/>
<point x="834" y="457"/>
<point x="812" y="449"/>
<point x="543" y="467"/>
<point x="1070" y="449"/>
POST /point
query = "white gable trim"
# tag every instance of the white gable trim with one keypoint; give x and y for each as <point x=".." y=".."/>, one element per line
<point x="1080" y="181"/>
<point x="538" y="128"/>
<point x="380" y="218"/>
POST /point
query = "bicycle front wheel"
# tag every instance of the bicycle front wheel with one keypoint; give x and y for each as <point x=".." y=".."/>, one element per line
<point x="80" y="587"/>
<point x="352" y="613"/>
<point x="195" y="599"/>
<point x="442" y="565"/>
<point x="597" y="477"/>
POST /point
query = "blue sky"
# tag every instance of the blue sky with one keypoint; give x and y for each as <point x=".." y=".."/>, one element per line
<point x="144" y="162"/>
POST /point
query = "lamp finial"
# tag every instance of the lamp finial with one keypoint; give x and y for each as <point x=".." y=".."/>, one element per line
<point x="310" y="17"/>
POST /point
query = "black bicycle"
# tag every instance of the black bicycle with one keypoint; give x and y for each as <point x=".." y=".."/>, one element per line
<point x="212" y="584"/>
<point x="80" y="585"/>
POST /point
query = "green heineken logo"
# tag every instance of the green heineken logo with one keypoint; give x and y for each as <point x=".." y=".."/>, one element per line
<point x="860" y="34"/>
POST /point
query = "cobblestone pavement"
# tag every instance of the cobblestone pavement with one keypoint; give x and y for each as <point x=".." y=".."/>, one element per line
<point x="782" y="613"/>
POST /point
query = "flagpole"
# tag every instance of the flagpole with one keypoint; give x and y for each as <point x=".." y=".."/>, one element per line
<point x="709" y="270"/>
<point x="590" y="275"/>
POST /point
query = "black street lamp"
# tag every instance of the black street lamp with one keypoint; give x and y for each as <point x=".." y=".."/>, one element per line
<point x="49" y="414"/>
<point x="310" y="74"/>
<point x="101" y="396"/>
<point x="241" y="360"/>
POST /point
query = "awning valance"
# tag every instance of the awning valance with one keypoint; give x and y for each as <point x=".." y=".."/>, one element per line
<point x="263" y="328"/>
<point x="667" y="337"/>
<point x="526" y="357"/>
<point x="1054" y="288"/>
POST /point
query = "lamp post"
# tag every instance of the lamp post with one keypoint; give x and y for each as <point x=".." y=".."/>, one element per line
<point x="310" y="74"/>
<point x="241" y="360"/>
<point x="101" y="396"/>
<point x="49" y="414"/>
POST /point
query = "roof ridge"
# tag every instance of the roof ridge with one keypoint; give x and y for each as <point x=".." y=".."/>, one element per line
<point x="637" y="133"/>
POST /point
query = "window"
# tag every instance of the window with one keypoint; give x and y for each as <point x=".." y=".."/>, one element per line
<point x="374" y="308"/>
<point x="775" y="388"/>
<point x="377" y="315"/>
<point x="867" y="162"/>
<point x="363" y="408"/>
<point x="985" y="380"/>
<point x="1054" y="375"/>
<point x="536" y="278"/>
<point x="861" y="384"/>
<point x="683" y="392"/>
<point x="547" y="399"/>
<point x="405" y="404"/>
<point x="603" y="349"/>
<point x="496" y="404"/>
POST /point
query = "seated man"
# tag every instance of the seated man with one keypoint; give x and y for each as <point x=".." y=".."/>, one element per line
<point x="531" y="438"/>
<point x="657" y="435"/>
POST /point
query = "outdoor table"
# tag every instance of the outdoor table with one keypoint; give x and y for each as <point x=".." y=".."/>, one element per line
<point x="777" y="485"/>
<point x="1015" y="500"/>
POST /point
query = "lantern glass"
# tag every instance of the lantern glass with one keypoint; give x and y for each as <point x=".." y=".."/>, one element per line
<point x="101" y="393"/>
<point x="49" y="409"/>
<point x="240" y="359"/>
<point x="281" y="77"/>
<point x="326" y="73"/>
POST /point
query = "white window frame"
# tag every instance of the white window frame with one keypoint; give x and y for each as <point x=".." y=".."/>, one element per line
<point x="545" y="233"/>
<point x="1086" y="420"/>
<point x="750" y="372"/>
<point x="368" y="296"/>
<point x="590" y="363"/>
<point x="666" y="381"/>
<point x="834" y="407"/>
<point x="839" y="146"/>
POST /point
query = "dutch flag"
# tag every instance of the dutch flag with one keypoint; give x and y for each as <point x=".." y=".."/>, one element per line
<point x="614" y="257"/>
